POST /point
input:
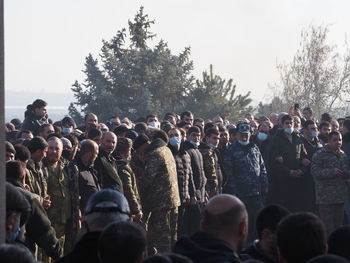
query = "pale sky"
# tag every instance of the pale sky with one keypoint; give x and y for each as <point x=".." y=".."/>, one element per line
<point x="47" y="41"/>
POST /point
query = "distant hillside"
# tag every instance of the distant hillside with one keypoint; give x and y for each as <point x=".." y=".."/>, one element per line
<point x="23" y="98"/>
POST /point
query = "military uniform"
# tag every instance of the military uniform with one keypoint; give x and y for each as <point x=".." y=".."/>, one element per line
<point x="163" y="196"/>
<point x="331" y="189"/>
<point x="128" y="179"/>
<point x="36" y="178"/>
<point x="247" y="179"/>
<point x="210" y="169"/>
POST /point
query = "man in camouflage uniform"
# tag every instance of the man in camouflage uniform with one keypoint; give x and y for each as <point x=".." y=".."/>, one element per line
<point x="330" y="171"/>
<point x="123" y="151"/>
<point x="59" y="188"/>
<point x="246" y="175"/>
<point x="211" y="165"/>
<point x="163" y="193"/>
<point x="37" y="174"/>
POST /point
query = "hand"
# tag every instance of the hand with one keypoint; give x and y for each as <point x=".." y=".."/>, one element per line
<point x="306" y="162"/>
<point x="138" y="216"/>
<point x="46" y="202"/>
<point x="338" y="171"/>
<point x="279" y="159"/>
<point x="193" y="200"/>
<point x="300" y="172"/>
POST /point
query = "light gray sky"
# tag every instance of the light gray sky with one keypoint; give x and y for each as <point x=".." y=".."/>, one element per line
<point x="46" y="41"/>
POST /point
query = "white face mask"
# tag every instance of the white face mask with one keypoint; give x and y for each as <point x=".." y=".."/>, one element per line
<point x="153" y="124"/>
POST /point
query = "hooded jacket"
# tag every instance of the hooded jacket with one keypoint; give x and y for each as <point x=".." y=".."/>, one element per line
<point x="33" y="123"/>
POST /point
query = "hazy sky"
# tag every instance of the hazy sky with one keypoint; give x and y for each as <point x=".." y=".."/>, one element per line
<point x="47" y="41"/>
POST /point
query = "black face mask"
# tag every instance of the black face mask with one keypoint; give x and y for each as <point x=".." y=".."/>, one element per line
<point x="66" y="154"/>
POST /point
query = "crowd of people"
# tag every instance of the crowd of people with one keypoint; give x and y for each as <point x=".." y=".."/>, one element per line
<point x="179" y="189"/>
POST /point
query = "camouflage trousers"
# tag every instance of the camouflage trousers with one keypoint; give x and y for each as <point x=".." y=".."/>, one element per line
<point x="332" y="216"/>
<point x="161" y="229"/>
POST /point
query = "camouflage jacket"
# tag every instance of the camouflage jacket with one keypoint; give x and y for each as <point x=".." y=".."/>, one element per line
<point x="58" y="188"/>
<point x="160" y="177"/>
<point x="210" y="168"/>
<point x="129" y="185"/>
<point x="330" y="188"/>
<point x="36" y="178"/>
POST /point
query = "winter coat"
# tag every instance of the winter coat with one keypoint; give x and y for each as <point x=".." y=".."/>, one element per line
<point x="198" y="174"/>
<point x="184" y="173"/>
<point x="128" y="179"/>
<point x="107" y="172"/>
<point x="204" y="248"/>
<point x="160" y="177"/>
<point x="32" y="123"/>
<point x="245" y="169"/>
<point x="210" y="168"/>
<point x="330" y="188"/>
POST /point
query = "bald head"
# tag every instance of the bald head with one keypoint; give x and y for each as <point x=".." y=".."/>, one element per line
<point x="223" y="213"/>
<point x="108" y="142"/>
<point x="88" y="151"/>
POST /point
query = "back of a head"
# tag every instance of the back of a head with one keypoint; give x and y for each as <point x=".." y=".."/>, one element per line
<point x="15" y="254"/>
<point x="338" y="242"/>
<point x="300" y="237"/>
<point x="15" y="170"/>
<point x="269" y="217"/>
<point x="22" y="153"/>
<point x="87" y="146"/>
<point x="223" y="214"/>
<point x="17" y="202"/>
<point x="37" y="143"/>
<point x="167" y="258"/>
<point x="124" y="242"/>
<point x="328" y="259"/>
<point x="160" y="134"/>
<point x="105" y="207"/>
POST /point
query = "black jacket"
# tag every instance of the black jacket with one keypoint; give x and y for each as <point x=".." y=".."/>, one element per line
<point x="285" y="189"/>
<point x="199" y="178"/>
<point x="107" y="172"/>
<point x="203" y="248"/>
<point x="88" y="182"/>
<point x="32" y="123"/>
<point x="184" y="173"/>
<point x="38" y="227"/>
<point x="85" y="250"/>
<point x="254" y="252"/>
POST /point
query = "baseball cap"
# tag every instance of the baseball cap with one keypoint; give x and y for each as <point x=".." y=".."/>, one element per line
<point x="243" y="128"/>
<point x="107" y="201"/>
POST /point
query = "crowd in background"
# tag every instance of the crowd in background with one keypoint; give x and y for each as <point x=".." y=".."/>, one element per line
<point x="264" y="188"/>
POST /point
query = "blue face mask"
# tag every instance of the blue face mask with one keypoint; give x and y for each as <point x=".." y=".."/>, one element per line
<point x="313" y="134"/>
<point x="243" y="143"/>
<point x="288" y="130"/>
<point x="262" y="136"/>
<point x="14" y="235"/>
<point x="66" y="130"/>
<point x="174" y="141"/>
<point x="153" y="124"/>
<point x="195" y="144"/>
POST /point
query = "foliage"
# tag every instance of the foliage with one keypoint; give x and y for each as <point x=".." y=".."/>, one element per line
<point x="318" y="76"/>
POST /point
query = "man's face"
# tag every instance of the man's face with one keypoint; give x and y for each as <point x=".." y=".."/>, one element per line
<point x="40" y="112"/>
<point x="97" y="139"/>
<point x="335" y="142"/>
<point x="223" y="137"/>
<point x="174" y="133"/>
<point x="287" y="124"/>
<point x="335" y="125"/>
<point x="199" y="123"/>
<point x="188" y="119"/>
<point x="213" y="139"/>
<point x="108" y="142"/>
<point x="54" y="151"/>
<point x="9" y="156"/>
<point x="47" y="131"/>
<point x="42" y="153"/>
<point x="172" y="120"/>
<point x="249" y="117"/>
<point x="27" y="135"/>
<point x="325" y="130"/>
<point x="244" y="137"/>
<point x="265" y="128"/>
<point x="91" y="119"/>
<point x="194" y="137"/>
<point x="91" y="157"/>
<point x="307" y="114"/>
<point x="297" y="123"/>
<point x="310" y="128"/>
